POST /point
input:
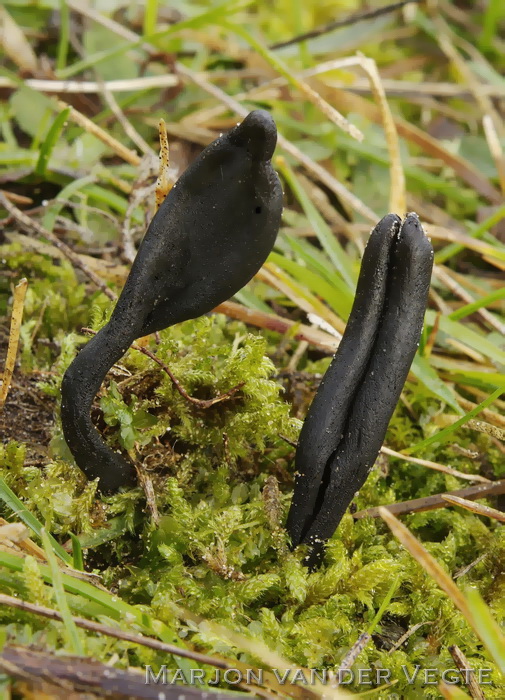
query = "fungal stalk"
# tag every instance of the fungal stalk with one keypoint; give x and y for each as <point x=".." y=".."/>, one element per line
<point x="348" y="418"/>
<point x="209" y="237"/>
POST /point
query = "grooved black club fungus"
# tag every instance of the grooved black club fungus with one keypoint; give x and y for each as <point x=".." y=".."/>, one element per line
<point x="210" y="236"/>
<point x="347" y="421"/>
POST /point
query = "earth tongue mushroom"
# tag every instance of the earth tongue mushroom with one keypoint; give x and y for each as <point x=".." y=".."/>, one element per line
<point x="348" y="418"/>
<point x="210" y="236"/>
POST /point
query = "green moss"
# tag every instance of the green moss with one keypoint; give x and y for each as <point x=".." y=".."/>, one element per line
<point x="212" y="541"/>
<point x="55" y="302"/>
<point x="217" y="549"/>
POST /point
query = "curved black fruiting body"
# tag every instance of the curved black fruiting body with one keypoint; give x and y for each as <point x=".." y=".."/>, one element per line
<point x="210" y="236"/>
<point x="348" y="419"/>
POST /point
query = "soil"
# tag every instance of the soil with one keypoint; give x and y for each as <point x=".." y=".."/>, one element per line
<point x="28" y="414"/>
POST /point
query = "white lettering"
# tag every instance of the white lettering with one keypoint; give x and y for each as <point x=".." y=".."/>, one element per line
<point x="254" y="677"/>
<point x="196" y="675"/>
<point x="217" y="676"/>
<point x="482" y="676"/>
<point x="299" y="677"/>
<point x="321" y="676"/>
<point x="382" y="675"/>
<point x="411" y="679"/>
<point x="364" y="676"/>
<point x="447" y="679"/>
<point x="178" y="676"/>
<point x="228" y="676"/>
<point x="341" y="671"/>
<point x="151" y="678"/>
<point x="430" y="676"/>
<point x="282" y="679"/>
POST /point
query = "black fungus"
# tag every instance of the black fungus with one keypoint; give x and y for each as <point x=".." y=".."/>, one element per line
<point x="347" y="421"/>
<point x="210" y="236"/>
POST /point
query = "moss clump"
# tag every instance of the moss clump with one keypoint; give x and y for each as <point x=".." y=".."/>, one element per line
<point x="216" y="546"/>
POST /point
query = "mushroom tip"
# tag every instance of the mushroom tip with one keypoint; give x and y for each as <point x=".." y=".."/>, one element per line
<point x="259" y="116"/>
<point x="413" y="236"/>
<point x="412" y="221"/>
<point x="412" y="226"/>
<point x="389" y="221"/>
<point x="388" y="225"/>
<point x="413" y="218"/>
<point x="257" y="133"/>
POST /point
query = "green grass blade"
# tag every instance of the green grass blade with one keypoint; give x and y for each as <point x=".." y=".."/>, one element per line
<point x="487" y="628"/>
<point x="484" y="380"/>
<point x="51" y="212"/>
<point x="73" y="637"/>
<point x="493" y="14"/>
<point x="452" y="692"/>
<point x="380" y="612"/>
<point x="328" y="241"/>
<point x="93" y="60"/>
<point x="298" y="10"/>
<point x="415" y="176"/>
<point x="63" y="42"/>
<point x="446" y="433"/>
<point x="150" y="17"/>
<point x="46" y="148"/>
<point x="91" y="609"/>
<point x="477" y="304"/>
<point x="17" y="156"/>
<point x="208" y="17"/>
<point x="469" y="337"/>
<point x="112" y="605"/>
<point x="113" y="200"/>
<point x="453" y="249"/>
<point x="314" y="283"/>
<point x="20" y="511"/>
<point x="425" y="373"/>
<point x="487" y="379"/>
<point x="318" y="262"/>
<point x="115" y="528"/>
<point x="77" y="553"/>
<point x="302" y="296"/>
<point x="248" y="298"/>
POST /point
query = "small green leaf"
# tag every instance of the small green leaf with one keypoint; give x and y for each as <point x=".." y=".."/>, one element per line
<point x="49" y="142"/>
<point x="77" y="553"/>
<point x="29" y="108"/>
